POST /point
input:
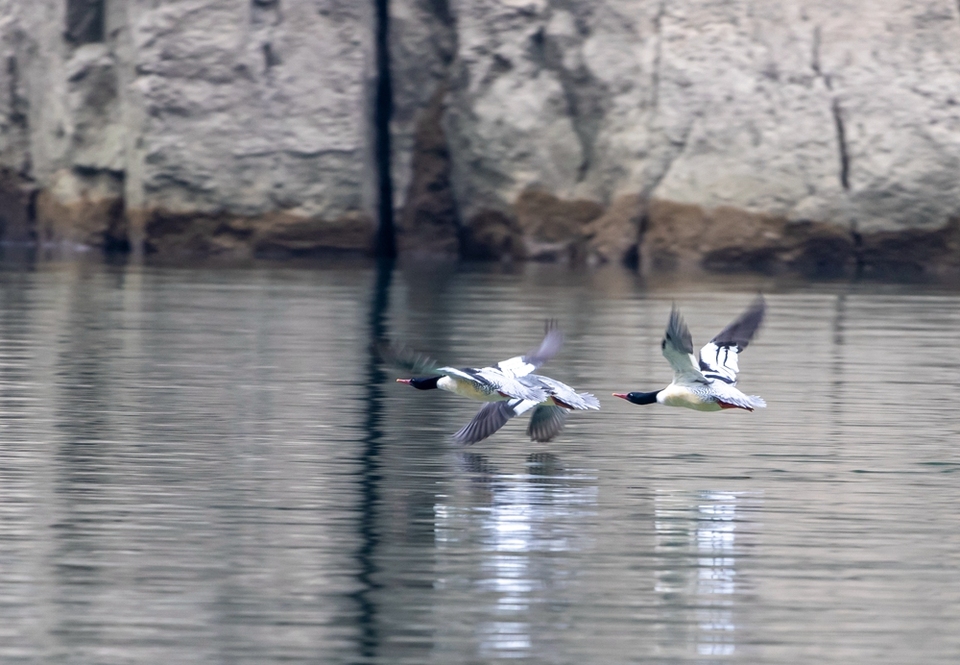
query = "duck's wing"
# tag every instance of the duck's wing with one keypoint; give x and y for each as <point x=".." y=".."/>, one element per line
<point x="402" y="356"/>
<point x="546" y="422"/>
<point x="531" y="361"/>
<point x="677" y="346"/>
<point x="491" y="417"/>
<point x="718" y="357"/>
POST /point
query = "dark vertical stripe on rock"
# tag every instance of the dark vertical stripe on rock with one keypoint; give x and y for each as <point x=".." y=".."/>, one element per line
<point x="842" y="145"/>
<point x="386" y="237"/>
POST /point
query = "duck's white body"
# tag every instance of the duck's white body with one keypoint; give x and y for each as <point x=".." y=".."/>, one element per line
<point x="473" y="389"/>
<point x="467" y="389"/>
<point x="676" y="395"/>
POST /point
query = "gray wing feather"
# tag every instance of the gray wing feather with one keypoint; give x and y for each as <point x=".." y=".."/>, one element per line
<point x="404" y="357"/>
<point x="677" y="347"/>
<point x="678" y="334"/>
<point x="490" y="418"/>
<point x="742" y="329"/>
<point x="546" y="422"/>
<point x="549" y="347"/>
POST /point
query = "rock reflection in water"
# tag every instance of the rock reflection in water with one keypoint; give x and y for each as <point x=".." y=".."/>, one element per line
<point x="700" y="539"/>
<point x="520" y="532"/>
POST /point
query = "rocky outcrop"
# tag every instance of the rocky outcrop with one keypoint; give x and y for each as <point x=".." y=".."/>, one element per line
<point x="794" y="127"/>
<point x="797" y="136"/>
<point x="195" y="110"/>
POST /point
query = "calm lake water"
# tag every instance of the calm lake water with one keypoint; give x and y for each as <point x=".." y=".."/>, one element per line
<point x="209" y="466"/>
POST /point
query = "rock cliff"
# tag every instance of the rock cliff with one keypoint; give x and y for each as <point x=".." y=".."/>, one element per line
<point x="812" y="136"/>
<point x="200" y="126"/>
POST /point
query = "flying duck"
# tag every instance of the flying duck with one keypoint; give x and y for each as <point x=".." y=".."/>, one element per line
<point x="546" y="421"/>
<point x="510" y="387"/>
<point x="707" y="384"/>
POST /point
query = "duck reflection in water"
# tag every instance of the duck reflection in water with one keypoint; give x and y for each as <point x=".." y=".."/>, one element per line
<point x="700" y="540"/>
<point x="509" y="540"/>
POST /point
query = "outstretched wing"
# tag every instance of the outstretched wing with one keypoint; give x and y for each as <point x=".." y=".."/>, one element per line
<point x="404" y="357"/>
<point x="718" y="357"/>
<point x="546" y="422"/>
<point x="491" y="417"/>
<point x="549" y="347"/>
<point x="677" y="346"/>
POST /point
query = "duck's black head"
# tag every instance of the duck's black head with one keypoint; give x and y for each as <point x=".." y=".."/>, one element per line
<point x="422" y="383"/>
<point x="639" y="398"/>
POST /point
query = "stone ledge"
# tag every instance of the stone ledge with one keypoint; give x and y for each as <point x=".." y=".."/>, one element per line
<point x="681" y="236"/>
<point x="539" y="227"/>
<point x="272" y="235"/>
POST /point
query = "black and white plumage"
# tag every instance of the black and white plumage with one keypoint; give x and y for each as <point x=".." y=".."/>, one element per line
<point x="548" y="417"/>
<point x="707" y="383"/>
<point x="510" y="387"/>
<point x="488" y="384"/>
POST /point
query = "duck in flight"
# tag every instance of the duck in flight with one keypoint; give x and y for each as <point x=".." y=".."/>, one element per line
<point x="708" y="383"/>
<point x="510" y="388"/>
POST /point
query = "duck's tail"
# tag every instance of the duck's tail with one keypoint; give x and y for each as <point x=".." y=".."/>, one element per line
<point x="756" y="402"/>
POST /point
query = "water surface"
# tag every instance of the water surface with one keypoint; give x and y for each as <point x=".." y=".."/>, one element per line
<point x="209" y="465"/>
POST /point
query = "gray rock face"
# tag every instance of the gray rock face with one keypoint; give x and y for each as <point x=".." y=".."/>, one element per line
<point x="262" y="105"/>
<point x="422" y="46"/>
<point x="686" y="134"/>
<point x="550" y="97"/>
<point x="813" y="111"/>
<point x="195" y="107"/>
<point x="845" y="113"/>
<point x="251" y="108"/>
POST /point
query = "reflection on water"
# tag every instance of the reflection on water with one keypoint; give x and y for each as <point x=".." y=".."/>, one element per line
<point x="528" y="531"/>
<point x="203" y="465"/>
<point x="368" y="460"/>
<point x="697" y="543"/>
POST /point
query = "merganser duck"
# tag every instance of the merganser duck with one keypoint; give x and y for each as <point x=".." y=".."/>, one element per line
<point x="548" y="417"/>
<point x="511" y="389"/>
<point x="707" y="384"/>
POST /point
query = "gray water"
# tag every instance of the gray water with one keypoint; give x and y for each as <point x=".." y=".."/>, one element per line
<point x="210" y="466"/>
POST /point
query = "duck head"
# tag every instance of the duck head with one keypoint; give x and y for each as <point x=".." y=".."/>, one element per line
<point x="421" y="383"/>
<point x="639" y="398"/>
